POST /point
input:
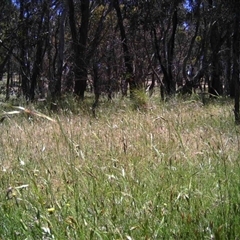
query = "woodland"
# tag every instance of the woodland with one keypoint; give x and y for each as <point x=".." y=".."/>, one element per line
<point x="51" y="48"/>
<point x="119" y="119"/>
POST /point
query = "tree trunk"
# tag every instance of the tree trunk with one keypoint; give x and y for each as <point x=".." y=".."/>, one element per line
<point x="8" y="81"/>
<point x="229" y="80"/>
<point x="192" y="42"/>
<point x="79" y="46"/>
<point x="39" y="55"/>
<point x="215" y="87"/>
<point x="236" y="57"/>
<point x="24" y="66"/>
<point x="96" y="86"/>
<point x="81" y="65"/>
<point x="36" y="69"/>
<point x="216" y="41"/>
<point x="169" y="81"/>
<point x="60" y="56"/>
<point x="127" y="57"/>
<point x="4" y="62"/>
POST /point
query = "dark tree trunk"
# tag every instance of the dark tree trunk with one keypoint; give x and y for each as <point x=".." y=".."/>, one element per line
<point x="164" y="70"/>
<point x="24" y="66"/>
<point x="218" y="35"/>
<point x="60" y="56"/>
<point x="8" y="81"/>
<point x="81" y="65"/>
<point x="127" y="57"/>
<point x="36" y="69"/>
<point x="79" y="46"/>
<point x="215" y="87"/>
<point x="83" y="49"/>
<point x="152" y="85"/>
<point x="4" y="62"/>
<point x="109" y="76"/>
<point x="229" y="79"/>
<point x="236" y="57"/>
<point x="169" y="81"/>
<point x="39" y="54"/>
<point x="191" y="45"/>
<point x="96" y="86"/>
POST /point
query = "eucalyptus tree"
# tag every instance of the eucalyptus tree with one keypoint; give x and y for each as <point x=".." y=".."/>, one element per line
<point x="128" y="60"/>
<point x="219" y="32"/>
<point x="85" y="45"/>
<point x="8" y="27"/>
<point x="57" y="38"/>
<point x="209" y="49"/>
<point x="33" y="42"/>
<point x="236" y="57"/>
<point x="160" y="22"/>
<point x="37" y="43"/>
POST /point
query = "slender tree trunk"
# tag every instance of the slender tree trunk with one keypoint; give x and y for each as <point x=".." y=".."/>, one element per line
<point x="39" y="55"/>
<point x="169" y="81"/>
<point x="23" y="50"/>
<point x="60" y="56"/>
<point x="236" y="58"/>
<point x="215" y="87"/>
<point x="216" y="41"/>
<point x="109" y="76"/>
<point x="96" y="86"/>
<point x="4" y="62"/>
<point x="127" y="57"/>
<point x="186" y="58"/>
<point x="8" y="81"/>
<point x="36" y="69"/>
<point x="164" y="70"/>
<point x="228" y="64"/>
<point x="79" y="45"/>
<point x="81" y="64"/>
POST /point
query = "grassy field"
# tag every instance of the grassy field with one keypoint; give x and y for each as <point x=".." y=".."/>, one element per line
<point x="170" y="171"/>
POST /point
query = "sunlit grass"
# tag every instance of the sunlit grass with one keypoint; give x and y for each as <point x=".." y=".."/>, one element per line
<point x="168" y="171"/>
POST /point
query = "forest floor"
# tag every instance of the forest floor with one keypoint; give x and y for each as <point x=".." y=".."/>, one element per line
<point x="170" y="171"/>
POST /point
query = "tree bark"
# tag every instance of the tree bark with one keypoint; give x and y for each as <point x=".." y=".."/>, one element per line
<point x="127" y="56"/>
<point x="79" y="46"/>
<point x="4" y="62"/>
<point x="191" y="45"/>
<point x="215" y="87"/>
<point x="24" y="66"/>
<point x="218" y="36"/>
<point x="166" y="63"/>
<point x="60" y="56"/>
<point x="236" y="57"/>
<point x="169" y="81"/>
<point x="39" y="55"/>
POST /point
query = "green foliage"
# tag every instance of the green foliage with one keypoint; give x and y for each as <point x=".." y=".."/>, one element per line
<point x="140" y="99"/>
<point x="170" y="173"/>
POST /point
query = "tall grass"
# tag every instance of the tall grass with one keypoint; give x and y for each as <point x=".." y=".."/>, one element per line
<point x="170" y="171"/>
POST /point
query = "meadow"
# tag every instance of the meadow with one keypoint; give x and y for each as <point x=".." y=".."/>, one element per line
<point x="168" y="171"/>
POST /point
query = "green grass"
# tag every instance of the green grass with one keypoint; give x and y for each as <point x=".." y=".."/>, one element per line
<point x="170" y="171"/>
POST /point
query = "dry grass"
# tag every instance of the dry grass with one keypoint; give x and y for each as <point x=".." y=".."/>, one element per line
<point x="178" y="131"/>
<point x="86" y="161"/>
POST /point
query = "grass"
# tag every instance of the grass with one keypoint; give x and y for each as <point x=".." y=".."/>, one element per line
<point x="170" y="171"/>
